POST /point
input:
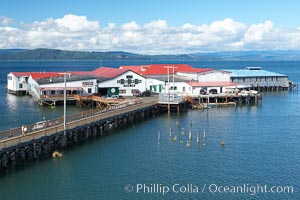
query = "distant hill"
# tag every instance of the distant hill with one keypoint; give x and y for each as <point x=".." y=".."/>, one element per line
<point x="54" y="54"/>
<point x="8" y="51"/>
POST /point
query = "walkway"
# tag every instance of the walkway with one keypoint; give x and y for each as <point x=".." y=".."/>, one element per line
<point x="14" y="137"/>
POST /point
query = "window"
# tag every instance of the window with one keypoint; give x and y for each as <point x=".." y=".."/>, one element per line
<point x="89" y="90"/>
<point x="61" y="92"/>
<point x="122" y="81"/>
<point x="183" y="89"/>
<point x="129" y="81"/>
<point x="52" y="92"/>
<point x="129" y="76"/>
<point x="136" y="81"/>
<point x="9" y="78"/>
<point x="122" y="91"/>
<point x="20" y="85"/>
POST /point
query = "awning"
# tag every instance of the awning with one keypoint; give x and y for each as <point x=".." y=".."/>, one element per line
<point x="59" y="88"/>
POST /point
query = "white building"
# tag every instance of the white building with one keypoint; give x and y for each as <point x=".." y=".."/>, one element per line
<point x="122" y="81"/>
<point x="256" y="77"/>
<point x="48" y="86"/>
<point x="17" y="82"/>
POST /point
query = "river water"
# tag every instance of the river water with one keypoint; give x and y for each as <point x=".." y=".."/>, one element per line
<point x="262" y="148"/>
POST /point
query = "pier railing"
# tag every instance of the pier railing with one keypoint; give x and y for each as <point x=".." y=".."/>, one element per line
<point x="76" y="122"/>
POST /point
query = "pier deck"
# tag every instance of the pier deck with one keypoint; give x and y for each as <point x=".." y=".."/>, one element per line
<point x="58" y="128"/>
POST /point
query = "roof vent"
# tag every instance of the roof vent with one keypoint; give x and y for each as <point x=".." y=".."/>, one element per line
<point x="253" y="68"/>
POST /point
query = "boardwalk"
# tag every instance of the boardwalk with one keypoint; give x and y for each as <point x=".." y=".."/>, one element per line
<point x="81" y="120"/>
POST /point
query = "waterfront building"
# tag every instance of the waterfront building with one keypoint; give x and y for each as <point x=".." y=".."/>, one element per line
<point x="259" y="79"/>
<point x="102" y="81"/>
<point x="123" y="81"/>
<point x="50" y="86"/>
<point x="187" y="79"/>
<point x="17" y="82"/>
<point x="180" y="79"/>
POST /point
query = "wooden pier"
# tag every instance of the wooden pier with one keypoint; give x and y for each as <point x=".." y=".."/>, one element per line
<point x="215" y="100"/>
<point x="18" y="150"/>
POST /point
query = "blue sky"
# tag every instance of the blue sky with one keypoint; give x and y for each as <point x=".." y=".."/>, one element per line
<point x="191" y="20"/>
<point x="282" y="13"/>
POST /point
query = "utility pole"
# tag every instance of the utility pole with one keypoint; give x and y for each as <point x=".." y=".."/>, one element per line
<point x="65" y="99"/>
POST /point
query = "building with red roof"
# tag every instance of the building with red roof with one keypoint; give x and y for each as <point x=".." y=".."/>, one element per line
<point x="187" y="79"/>
<point x="164" y="69"/>
<point x="126" y="80"/>
<point x="108" y="72"/>
<point x="103" y="80"/>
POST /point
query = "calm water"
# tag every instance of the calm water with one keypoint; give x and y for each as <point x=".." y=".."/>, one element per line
<point x="262" y="147"/>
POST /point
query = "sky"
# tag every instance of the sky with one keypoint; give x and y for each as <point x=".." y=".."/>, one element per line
<point x="151" y="26"/>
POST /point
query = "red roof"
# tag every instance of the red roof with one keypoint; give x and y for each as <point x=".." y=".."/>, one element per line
<point x="162" y="69"/>
<point x="81" y="72"/>
<point x="108" y="72"/>
<point x="211" y="84"/>
<point x="38" y="75"/>
<point x="18" y="74"/>
<point x="139" y="69"/>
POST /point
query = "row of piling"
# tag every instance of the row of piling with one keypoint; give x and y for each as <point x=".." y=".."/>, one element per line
<point x="27" y="152"/>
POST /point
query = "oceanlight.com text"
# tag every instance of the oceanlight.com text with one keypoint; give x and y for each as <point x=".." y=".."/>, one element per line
<point x="249" y="189"/>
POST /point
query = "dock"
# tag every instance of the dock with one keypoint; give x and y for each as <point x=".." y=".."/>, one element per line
<point x="17" y="149"/>
<point x="217" y="100"/>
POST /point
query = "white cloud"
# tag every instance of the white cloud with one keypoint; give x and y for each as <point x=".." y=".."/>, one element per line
<point x="4" y="21"/>
<point x="73" y="32"/>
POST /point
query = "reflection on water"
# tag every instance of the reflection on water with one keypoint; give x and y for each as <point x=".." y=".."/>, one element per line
<point x="19" y="110"/>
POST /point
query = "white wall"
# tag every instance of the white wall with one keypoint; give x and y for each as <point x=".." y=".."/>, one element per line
<point x="14" y="83"/>
<point x="212" y="76"/>
<point x="262" y="81"/>
<point x="126" y="87"/>
<point x="188" y="76"/>
<point x="209" y="76"/>
<point x="152" y="83"/>
<point x="84" y="84"/>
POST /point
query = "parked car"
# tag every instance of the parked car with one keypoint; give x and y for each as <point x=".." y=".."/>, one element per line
<point x="39" y="125"/>
<point x="114" y="97"/>
<point x="146" y="93"/>
<point x="136" y="93"/>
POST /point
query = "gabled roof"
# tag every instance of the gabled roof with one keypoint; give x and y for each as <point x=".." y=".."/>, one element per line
<point x="162" y="69"/>
<point x="19" y="74"/>
<point x="81" y="72"/>
<point x="108" y="72"/>
<point x="39" y="75"/>
<point x="139" y="69"/>
<point x="211" y="84"/>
